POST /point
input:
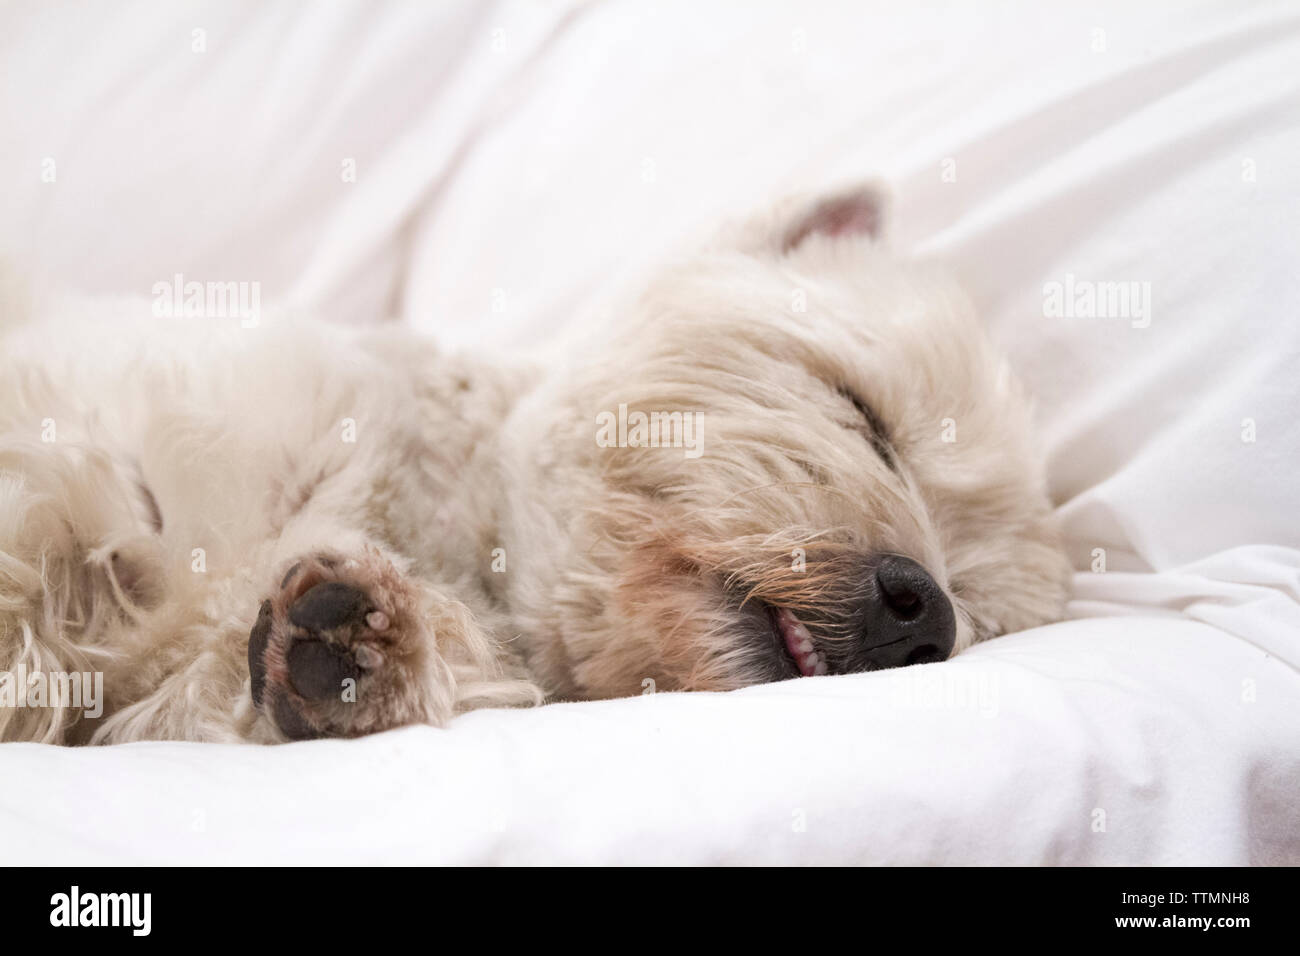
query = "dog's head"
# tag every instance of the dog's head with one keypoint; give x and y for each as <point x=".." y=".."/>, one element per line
<point x="800" y="457"/>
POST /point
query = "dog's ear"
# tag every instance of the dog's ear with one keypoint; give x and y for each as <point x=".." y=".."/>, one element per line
<point x="852" y="212"/>
<point x="857" y="211"/>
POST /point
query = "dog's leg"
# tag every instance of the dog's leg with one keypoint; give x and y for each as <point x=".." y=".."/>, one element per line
<point x="336" y="641"/>
<point x="347" y="644"/>
<point x="79" y="565"/>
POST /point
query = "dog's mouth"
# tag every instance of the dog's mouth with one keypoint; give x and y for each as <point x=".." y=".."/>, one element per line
<point x="796" y="643"/>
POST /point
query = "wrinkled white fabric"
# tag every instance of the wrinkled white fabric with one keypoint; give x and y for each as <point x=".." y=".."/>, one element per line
<point x="516" y="165"/>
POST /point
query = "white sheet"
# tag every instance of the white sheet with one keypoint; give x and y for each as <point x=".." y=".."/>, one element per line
<point x="516" y="162"/>
<point x="1061" y="746"/>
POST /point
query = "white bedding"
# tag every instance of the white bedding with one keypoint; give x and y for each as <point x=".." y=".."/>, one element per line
<point x="516" y="162"/>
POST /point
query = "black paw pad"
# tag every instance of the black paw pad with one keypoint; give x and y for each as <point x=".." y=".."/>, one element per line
<point x="330" y="605"/>
<point x="290" y="575"/>
<point x="291" y="723"/>
<point x="257" y="640"/>
<point x="317" y="669"/>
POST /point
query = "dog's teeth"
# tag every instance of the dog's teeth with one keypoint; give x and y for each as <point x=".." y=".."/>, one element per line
<point x="820" y="669"/>
<point x="377" y="621"/>
<point x="798" y="641"/>
<point x="368" y="658"/>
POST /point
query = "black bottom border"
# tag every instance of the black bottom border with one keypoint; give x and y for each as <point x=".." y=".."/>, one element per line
<point x="959" y="904"/>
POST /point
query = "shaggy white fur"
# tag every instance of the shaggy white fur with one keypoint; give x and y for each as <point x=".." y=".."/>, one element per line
<point x="701" y="498"/>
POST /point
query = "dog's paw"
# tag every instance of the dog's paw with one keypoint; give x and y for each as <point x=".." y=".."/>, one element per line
<point x="343" y="649"/>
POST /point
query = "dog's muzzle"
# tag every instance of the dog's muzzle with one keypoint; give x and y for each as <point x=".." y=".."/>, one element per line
<point x="904" y="617"/>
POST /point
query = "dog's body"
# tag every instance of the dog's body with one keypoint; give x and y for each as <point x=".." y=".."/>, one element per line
<point x="280" y="532"/>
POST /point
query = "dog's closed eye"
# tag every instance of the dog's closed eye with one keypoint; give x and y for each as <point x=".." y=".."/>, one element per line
<point x="872" y="428"/>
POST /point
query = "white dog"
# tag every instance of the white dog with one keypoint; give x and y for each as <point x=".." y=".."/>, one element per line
<point x="799" y="456"/>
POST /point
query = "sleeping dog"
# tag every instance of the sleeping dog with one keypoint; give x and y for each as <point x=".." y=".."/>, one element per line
<point x="795" y="455"/>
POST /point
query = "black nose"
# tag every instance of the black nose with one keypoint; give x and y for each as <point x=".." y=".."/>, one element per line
<point x="911" y="620"/>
